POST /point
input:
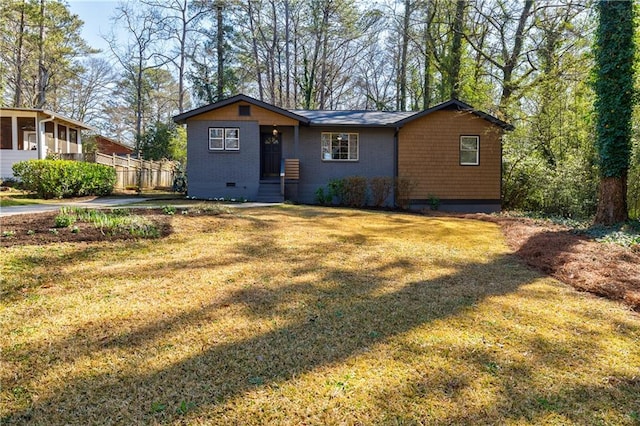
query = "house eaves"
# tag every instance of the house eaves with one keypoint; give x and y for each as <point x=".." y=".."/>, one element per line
<point x="69" y="121"/>
<point x="456" y="105"/>
<point x="181" y="118"/>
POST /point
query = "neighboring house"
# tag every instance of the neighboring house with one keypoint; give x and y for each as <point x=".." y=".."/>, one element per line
<point x="107" y="145"/>
<point x="241" y="148"/>
<point x="33" y="134"/>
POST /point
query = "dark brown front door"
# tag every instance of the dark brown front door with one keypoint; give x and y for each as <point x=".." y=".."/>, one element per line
<point x="270" y="153"/>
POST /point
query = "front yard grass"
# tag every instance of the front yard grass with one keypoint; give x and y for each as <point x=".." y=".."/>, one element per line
<point x="304" y="315"/>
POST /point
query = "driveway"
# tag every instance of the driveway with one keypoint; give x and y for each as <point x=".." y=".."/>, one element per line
<point x="101" y="202"/>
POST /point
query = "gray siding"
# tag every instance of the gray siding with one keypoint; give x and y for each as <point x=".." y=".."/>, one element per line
<point x="208" y="172"/>
<point x="376" y="158"/>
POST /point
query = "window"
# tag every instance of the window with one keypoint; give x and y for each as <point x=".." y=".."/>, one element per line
<point x="6" y="141"/>
<point x="221" y="139"/>
<point x="232" y="139"/>
<point x="340" y="146"/>
<point x="244" y="110"/>
<point x="469" y="150"/>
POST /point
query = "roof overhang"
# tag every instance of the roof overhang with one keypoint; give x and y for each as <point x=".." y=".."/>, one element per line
<point x="58" y="117"/>
<point x="182" y="118"/>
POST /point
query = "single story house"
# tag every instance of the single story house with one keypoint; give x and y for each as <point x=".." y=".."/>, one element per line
<point x="245" y="148"/>
<point x="27" y="134"/>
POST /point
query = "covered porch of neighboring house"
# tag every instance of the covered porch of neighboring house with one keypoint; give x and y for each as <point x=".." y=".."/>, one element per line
<point x="27" y="134"/>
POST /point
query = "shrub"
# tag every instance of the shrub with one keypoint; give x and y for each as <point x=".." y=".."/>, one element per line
<point x="403" y="187"/>
<point x="335" y="190"/>
<point x="380" y="189"/>
<point x="322" y="198"/>
<point x="354" y="191"/>
<point x="61" y="178"/>
<point x="434" y="202"/>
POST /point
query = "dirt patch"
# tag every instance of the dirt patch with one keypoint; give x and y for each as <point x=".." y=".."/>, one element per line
<point x="39" y="228"/>
<point x="605" y="269"/>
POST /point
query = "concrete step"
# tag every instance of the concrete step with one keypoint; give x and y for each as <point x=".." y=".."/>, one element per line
<point x="269" y="192"/>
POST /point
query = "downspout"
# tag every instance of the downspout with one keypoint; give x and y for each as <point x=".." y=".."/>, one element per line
<point x="41" y="137"/>
<point x="395" y="164"/>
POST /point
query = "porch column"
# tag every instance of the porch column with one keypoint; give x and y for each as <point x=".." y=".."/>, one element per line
<point x="14" y="133"/>
<point x="296" y="140"/>
<point x="55" y="137"/>
<point x="79" y="140"/>
<point x="42" y="140"/>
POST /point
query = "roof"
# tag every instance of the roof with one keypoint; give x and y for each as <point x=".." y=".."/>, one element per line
<point x="359" y="118"/>
<point x="353" y="117"/>
<point x="113" y="141"/>
<point x="181" y="118"/>
<point x="80" y="125"/>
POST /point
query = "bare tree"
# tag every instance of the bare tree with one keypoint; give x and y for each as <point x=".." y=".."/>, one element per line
<point x="139" y="55"/>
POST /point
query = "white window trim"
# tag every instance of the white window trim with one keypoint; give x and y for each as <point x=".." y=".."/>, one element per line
<point x="477" y="150"/>
<point x="349" y="135"/>
<point x="224" y="139"/>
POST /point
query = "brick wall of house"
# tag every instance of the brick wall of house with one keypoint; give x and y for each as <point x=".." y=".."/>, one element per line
<point x="429" y="156"/>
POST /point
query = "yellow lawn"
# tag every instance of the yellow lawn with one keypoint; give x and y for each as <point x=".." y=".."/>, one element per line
<point x="305" y="315"/>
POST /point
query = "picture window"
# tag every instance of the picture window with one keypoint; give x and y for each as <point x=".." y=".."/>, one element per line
<point x="340" y="146"/>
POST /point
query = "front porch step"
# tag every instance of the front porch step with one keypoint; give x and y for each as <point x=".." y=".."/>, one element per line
<point x="269" y="192"/>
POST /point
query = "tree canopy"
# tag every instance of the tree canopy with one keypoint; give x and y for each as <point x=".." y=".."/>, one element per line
<point x="527" y="62"/>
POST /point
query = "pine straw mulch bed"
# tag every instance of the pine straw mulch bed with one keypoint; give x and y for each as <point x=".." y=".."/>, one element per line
<point x="605" y="269"/>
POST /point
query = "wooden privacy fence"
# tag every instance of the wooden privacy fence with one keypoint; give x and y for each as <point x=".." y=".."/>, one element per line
<point x="133" y="172"/>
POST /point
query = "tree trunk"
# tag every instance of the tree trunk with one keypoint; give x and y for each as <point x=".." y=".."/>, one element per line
<point x="402" y="84"/>
<point x="182" y="66"/>
<point x="254" y="45"/>
<point x="17" y="101"/>
<point x="426" y="91"/>
<point x="287" y="56"/>
<point x="42" y="71"/>
<point x="456" y="50"/>
<point x="612" y="201"/>
<point x="512" y="60"/>
<point x="220" y="52"/>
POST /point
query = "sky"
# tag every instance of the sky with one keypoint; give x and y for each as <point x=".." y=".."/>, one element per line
<point x="96" y="15"/>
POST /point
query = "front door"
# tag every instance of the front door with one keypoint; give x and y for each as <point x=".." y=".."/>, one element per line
<point x="270" y="153"/>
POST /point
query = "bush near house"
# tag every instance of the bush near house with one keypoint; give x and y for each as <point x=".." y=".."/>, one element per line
<point x="358" y="191"/>
<point x="61" y="178"/>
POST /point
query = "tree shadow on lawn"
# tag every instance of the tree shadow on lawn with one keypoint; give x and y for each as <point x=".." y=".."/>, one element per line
<point x="345" y="315"/>
<point x="535" y="379"/>
<point x="343" y="327"/>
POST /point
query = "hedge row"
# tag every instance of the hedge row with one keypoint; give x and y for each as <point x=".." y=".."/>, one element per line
<point x="358" y="191"/>
<point x="61" y="178"/>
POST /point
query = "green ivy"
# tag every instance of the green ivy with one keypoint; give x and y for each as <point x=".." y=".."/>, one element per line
<point x="614" y="54"/>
